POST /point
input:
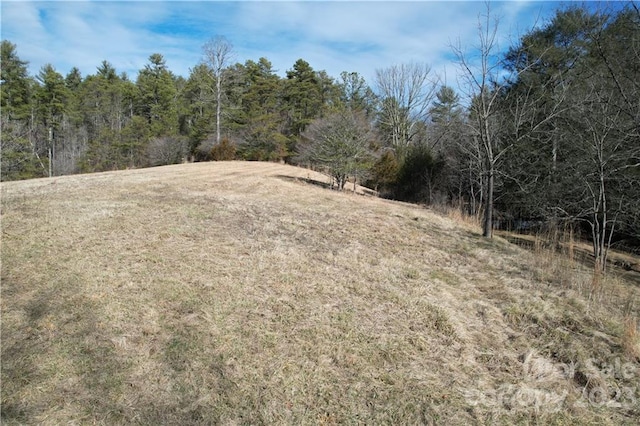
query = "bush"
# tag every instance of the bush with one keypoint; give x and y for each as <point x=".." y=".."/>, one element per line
<point x="224" y="151"/>
<point x="413" y="179"/>
<point x="384" y="174"/>
<point x="166" y="150"/>
<point x="417" y="174"/>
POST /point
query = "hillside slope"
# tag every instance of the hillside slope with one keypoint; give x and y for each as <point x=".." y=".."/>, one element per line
<point x="240" y="293"/>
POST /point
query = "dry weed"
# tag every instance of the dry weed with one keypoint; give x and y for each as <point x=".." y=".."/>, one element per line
<point x="246" y="293"/>
<point x="630" y="340"/>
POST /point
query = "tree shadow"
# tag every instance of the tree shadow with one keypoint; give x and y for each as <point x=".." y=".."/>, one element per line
<point x="82" y="368"/>
<point x="361" y="190"/>
<point x="305" y="180"/>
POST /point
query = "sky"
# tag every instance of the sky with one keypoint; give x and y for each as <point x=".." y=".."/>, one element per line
<point x="334" y="36"/>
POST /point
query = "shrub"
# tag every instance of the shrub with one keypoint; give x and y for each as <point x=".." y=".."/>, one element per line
<point x="384" y="173"/>
<point x="224" y="151"/>
<point x="166" y="150"/>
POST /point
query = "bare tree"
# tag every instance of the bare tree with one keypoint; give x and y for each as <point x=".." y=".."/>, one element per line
<point x="481" y="76"/>
<point x="218" y="54"/>
<point x="340" y="143"/>
<point x="499" y="116"/>
<point x="584" y="161"/>
<point x="166" y="150"/>
<point x="605" y="166"/>
<point x="406" y="91"/>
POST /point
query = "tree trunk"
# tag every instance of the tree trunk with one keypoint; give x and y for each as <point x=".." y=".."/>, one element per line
<point x="601" y="222"/>
<point x="355" y="180"/>
<point x="488" y="206"/>
<point x="218" y="106"/>
<point x="50" y="152"/>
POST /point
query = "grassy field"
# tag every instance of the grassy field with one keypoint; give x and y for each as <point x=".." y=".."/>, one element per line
<point x="243" y="293"/>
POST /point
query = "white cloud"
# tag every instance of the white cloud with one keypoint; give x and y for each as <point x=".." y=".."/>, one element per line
<point x="334" y="36"/>
<point x="377" y="34"/>
<point x="21" y="24"/>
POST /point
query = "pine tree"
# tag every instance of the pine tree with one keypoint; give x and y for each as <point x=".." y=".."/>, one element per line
<point x="262" y="126"/>
<point x="14" y="94"/>
<point x="20" y="154"/>
<point x="302" y="97"/>
<point x="51" y="99"/>
<point x="157" y="97"/>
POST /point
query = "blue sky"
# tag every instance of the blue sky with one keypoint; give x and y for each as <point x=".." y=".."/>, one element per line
<point x="334" y="36"/>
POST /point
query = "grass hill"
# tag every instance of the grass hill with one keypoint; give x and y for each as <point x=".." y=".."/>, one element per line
<point x="242" y="293"/>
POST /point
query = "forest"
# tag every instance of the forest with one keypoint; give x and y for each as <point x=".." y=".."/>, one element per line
<point x="547" y="132"/>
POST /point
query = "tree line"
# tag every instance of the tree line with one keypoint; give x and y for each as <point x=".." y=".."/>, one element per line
<point x="548" y="131"/>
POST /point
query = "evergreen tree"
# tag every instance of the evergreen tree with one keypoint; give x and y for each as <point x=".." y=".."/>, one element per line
<point x="157" y="97"/>
<point x="51" y="97"/>
<point x="20" y="155"/>
<point x="107" y="102"/>
<point x="199" y="112"/>
<point x="302" y="98"/>
<point x="459" y="172"/>
<point x="73" y="80"/>
<point x="262" y="124"/>
<point x="14" y="86"/>
<point x="355" y="94"/>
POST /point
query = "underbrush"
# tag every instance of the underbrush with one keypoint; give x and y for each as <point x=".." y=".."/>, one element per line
<point x="582" y="348"/>
<point x="585" y="321"/>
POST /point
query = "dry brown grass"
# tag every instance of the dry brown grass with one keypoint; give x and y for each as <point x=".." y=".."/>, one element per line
<point x="630" y="339"/>
<point x="241" y="293"/>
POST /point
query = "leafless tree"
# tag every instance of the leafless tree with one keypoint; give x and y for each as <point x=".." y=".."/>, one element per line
<point x="496" y="111"/>
<point x="218" y="54"/>
<point x="606" y="188"/>
<point x="481" y="83"/>
<point x="406" y="91"/>
<point x="340" y="143"/>
<point x="166" y="150"/>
